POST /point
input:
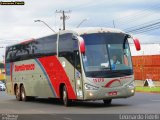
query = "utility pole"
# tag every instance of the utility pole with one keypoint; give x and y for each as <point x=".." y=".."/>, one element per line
<point x="63" y="17"/>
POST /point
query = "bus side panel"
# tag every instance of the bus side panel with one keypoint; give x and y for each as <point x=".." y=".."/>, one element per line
<point x="57" y="75"/>
<point x="43" y="80"/>
<point x="32" y="76"/>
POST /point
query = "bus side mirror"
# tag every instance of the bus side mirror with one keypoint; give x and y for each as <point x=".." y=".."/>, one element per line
<point x="74" y="37"/>
<point x="82" y="45"/>
<point x="137" y="44"/>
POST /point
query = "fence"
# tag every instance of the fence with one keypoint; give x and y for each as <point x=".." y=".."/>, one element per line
<point x="147" y="66"/>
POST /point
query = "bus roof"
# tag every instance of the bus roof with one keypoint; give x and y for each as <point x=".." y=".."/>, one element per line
<point x="89" y="30"/>
<point x="79" y="31"/>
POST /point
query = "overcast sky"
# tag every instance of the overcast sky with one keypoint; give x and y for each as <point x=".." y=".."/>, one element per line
<point x="17" y="22"/>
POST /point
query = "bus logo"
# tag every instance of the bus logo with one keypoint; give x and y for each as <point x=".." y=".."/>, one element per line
<point x="24" y="67"/>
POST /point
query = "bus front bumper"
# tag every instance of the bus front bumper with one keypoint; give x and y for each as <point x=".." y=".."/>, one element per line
<point x="109" y="93"/>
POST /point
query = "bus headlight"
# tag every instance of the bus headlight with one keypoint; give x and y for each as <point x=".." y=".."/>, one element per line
<point x="131" y="85"/>
<point x="90" y="87"/>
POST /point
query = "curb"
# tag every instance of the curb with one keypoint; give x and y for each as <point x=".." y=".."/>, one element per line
<point x="149" y="92"/>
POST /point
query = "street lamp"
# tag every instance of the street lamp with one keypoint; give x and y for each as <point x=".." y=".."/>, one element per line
<point x="52" y="30"/>
<point x="82" y="22"/>
<point x="45" y="24"/>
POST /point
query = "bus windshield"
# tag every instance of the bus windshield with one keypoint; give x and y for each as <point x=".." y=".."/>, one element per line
<point x="106" y="52"/>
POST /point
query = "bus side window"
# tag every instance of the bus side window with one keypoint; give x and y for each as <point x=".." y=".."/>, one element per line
<point x="9" y="55"/>
<point x="77" y="61"/>
<point x="65" y="47"/>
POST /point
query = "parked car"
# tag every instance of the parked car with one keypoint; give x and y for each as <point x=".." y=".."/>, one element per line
<point x="2" y="86"/>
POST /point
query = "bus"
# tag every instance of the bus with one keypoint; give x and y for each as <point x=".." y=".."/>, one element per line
<point x="72" y="65"/>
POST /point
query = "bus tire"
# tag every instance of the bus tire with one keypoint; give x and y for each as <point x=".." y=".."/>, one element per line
<point x="23" y="94"/>
<point x="65" y="99"/>
<point x="18" y="94"/>
<point x="107" y="102"/>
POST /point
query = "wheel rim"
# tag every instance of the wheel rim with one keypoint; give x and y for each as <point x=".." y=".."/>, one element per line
<point x="17" y="93"/>
<point x="23" y="96"/>
<point x="64" y="97"/>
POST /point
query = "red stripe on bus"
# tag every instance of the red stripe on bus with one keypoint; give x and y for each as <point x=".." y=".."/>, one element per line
<point x="57" y="75"/>
<point x="111" y="82"/>
<point x="26" y="41"/>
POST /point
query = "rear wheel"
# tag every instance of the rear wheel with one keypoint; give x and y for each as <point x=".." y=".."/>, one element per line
<point x="23" y="94"/>
<point x="18" y="94"/>
<point x="107" y="102"/>
<point x="66" y="101"/>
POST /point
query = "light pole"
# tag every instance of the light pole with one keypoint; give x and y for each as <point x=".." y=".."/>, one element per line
<point x="82" y="22"/>
<point x="45" y="24"/>
<point x="52" y="30"/>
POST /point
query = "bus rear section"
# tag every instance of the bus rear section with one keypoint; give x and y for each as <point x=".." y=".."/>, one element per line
<point x="82" y="67"/>
<point x="34" y="69"/>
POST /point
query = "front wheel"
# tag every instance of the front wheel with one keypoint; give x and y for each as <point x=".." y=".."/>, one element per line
<point x="107" y="102"/>
<point x="66" y="101"/>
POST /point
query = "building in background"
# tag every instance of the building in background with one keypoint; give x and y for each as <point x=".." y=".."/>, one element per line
<point x="146" y="62"/>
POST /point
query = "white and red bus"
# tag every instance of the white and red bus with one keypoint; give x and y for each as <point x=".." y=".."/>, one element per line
<point x="84" y="64"/>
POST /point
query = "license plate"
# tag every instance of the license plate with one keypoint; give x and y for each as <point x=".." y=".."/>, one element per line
<point x="113" y="93"/>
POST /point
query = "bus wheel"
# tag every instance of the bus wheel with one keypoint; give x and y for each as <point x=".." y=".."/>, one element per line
<point x="18" y="95"/>
<point x="65" y="97"/>
<point x="107" y="102"/>
<point x="23" y="94"/>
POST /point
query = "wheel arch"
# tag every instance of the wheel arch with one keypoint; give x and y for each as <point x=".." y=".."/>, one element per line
<point x="61" y="89"/>
<point x="15" y="86"/>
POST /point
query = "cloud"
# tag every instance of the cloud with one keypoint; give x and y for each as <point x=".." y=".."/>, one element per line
<point x="17" y="22"/>
<point x="145" y="38"/>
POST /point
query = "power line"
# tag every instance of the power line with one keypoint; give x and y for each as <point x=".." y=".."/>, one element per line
<point x="141" y="25"/>
<point x="147" y="30"/>
<point x="138" y="16"/>
<point x="140" y="13"/>
<point x="147" y="26"/>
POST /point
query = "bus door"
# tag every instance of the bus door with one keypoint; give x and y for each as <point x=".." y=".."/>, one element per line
<point x="69" y="56"/>
<point x="78" y="75"/>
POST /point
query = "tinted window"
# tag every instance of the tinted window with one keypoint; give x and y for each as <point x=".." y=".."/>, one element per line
<point x="45" y="46"/>
<point x="33" y="49"/>
<point x="66" y="48"/>
<point x="8" y="54"/>
<point x="66" y="43"/>
<point x="21" y="51"/>
<point x="69" y="49"/>
<point x="106" y="56"/>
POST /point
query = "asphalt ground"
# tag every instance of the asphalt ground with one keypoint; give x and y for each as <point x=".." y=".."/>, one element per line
<point x="140" y="104"/>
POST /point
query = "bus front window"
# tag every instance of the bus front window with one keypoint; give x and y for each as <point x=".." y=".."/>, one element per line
<point x="96" y="56"/>
<point x="120" y="58"/>
<point x="105" y="53"/>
